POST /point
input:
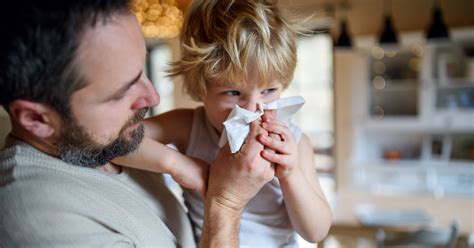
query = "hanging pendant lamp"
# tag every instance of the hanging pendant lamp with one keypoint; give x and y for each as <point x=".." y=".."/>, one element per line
<point x="438" y="29"/>
<point x="388" y="35"/>
<point x="344" y="39"/>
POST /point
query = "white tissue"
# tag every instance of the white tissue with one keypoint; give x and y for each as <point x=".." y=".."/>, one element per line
<point x="237" y="125"/>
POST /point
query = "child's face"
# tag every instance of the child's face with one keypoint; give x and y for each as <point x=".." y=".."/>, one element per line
<point x="220" y="99"/>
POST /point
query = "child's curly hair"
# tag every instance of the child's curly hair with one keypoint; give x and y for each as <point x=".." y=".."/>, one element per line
<point x="221" y="39"/>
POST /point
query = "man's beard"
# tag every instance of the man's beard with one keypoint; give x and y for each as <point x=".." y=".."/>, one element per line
<point x="77" y="147"/>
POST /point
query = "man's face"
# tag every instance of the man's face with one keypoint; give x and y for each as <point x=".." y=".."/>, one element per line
<point x="78" y="147"/>
<point x="105" y="118"/>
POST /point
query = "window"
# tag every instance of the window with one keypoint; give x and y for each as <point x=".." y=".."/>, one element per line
<point x="159" y="57"/>
<point x="313" y="80"/>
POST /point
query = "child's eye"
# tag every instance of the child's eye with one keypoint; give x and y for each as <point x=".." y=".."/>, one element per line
<point x="268" y="91"/>
<point x="232" y="93"/>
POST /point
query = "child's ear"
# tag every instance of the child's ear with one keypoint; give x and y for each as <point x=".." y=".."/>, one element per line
<point x="35" y="118"/>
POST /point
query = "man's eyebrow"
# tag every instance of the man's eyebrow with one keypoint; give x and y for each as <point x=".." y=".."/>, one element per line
<point x="124" y="88"/>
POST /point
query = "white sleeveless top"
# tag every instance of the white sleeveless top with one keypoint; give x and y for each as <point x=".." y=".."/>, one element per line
<point x="265" y="221"/>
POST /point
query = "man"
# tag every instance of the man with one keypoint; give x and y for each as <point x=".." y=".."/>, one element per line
<point x="72" y="83"/>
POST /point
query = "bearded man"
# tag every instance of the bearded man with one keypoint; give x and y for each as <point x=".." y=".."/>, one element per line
<point x="72" y="82"/>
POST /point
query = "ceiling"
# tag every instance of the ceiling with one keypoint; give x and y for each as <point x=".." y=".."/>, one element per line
<point x="365" y="16"/>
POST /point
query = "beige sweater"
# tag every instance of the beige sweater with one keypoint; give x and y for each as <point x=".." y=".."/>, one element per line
<point x="45" y="202"/>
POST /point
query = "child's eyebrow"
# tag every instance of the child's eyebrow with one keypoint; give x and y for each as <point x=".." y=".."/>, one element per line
<point x="226" y="87"/>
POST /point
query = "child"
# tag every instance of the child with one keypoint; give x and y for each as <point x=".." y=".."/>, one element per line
<point x="240" y="52"/>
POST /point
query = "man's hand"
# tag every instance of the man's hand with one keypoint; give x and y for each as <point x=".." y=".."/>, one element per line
<point x="236" y="178"/>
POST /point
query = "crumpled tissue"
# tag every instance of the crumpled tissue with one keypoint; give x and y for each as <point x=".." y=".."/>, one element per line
<point x="237" y="125"/>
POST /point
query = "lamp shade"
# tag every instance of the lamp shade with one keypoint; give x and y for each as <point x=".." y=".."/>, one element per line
<point x="437" y="29"/>
<point x="388" y="34"/>
<point x="344" y="40"/>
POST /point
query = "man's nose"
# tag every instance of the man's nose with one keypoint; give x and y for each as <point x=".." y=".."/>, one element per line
<point x="148" y="98"/>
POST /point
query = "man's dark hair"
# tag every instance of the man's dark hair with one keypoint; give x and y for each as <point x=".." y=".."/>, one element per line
<point x="38" y="46"/>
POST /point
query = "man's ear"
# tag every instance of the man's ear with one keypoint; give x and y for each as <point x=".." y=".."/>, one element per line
<point x="35" y="118"/>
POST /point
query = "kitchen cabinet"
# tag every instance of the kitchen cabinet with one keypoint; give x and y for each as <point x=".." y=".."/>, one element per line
<point x="405" y="118"/>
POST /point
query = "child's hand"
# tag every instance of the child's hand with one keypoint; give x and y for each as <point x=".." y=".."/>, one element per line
<point x="192" y="173"/>
<point x="284" y="150"/>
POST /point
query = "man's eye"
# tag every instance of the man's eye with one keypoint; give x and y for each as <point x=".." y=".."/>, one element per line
<point x="232" y="93"/>
<point x="268" y="91"/>
<point x="119" y="97"/>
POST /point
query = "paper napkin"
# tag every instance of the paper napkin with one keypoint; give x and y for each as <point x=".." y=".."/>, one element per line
<point x="237" y="125"/>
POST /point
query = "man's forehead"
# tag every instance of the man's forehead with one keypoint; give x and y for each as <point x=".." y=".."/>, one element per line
<point x="111" y="54"/>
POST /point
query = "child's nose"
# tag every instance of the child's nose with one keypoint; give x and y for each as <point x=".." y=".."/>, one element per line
<point x="250" y="105"/>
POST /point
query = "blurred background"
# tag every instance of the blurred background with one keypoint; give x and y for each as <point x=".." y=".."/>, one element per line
<point x="389" y="89"/>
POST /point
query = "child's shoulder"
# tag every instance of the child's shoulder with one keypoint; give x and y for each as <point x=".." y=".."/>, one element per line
<point x="175" y="115"/>
<point x="177" y="120"/>
<point x="171" y="127"/>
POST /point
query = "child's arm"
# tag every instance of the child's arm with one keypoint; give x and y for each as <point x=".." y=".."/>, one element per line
<point x="155" y="157"/>
<point x="152" y="155"/>
<point x="305" y="202"/>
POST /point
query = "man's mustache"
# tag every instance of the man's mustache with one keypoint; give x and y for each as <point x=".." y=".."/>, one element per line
<point x="137" y="117"/>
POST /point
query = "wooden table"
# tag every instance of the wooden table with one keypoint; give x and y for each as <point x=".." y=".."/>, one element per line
<point x="442" y="211"/>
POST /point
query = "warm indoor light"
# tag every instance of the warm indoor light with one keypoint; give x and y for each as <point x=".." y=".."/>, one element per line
<point x="158" y="18"/>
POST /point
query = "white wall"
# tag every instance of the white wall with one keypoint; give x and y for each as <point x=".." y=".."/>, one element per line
<point x="350" y="69"/>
